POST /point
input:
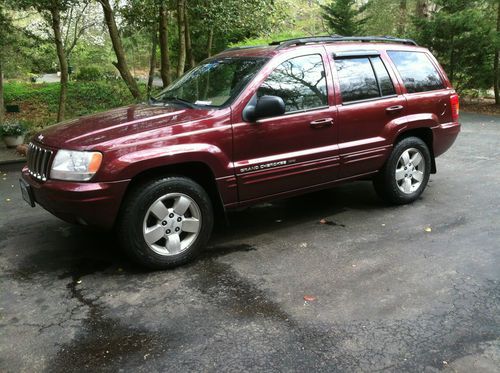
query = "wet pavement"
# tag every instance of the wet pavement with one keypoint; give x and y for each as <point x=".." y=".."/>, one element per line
<point x="388" y="294"/>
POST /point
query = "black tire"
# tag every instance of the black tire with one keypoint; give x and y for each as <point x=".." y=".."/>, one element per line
<point x="385" y="182"/>
<point x="133" y="213"/>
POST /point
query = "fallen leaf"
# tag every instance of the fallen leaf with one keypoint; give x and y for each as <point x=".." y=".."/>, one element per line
<point x="309" y="298"/>
<point x="428" y="229"/>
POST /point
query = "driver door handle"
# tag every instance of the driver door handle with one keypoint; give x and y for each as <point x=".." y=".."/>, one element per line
<point x="394" y="109"/>
<point x="320" y="123"/>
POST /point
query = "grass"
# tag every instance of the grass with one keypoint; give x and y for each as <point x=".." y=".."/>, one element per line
<point x="39" y="102"/>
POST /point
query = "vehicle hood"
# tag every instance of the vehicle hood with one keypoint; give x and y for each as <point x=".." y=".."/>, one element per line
<point x="93" y="131"/>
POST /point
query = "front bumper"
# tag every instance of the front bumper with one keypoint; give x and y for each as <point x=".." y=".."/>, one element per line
<point x="93" y="204"/>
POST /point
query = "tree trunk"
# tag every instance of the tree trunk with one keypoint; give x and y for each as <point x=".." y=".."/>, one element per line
<point x="210" y="42"/>
<point x="165" y="68"/>
<point x="181" y="61"/>
<point x="496" y="71"/>
<point x="452" y="61"/>
<point x="421" y="9"/>
<point x="63" y="62"/>
<point x="2" y="106"/>
<point x="121" y="63"/>
<point x="189" y="48"/>
<point x="152" y="61"/>
<point x="402" y="17"/>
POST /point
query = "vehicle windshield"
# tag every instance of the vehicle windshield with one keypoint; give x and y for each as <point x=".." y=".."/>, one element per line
<point x="214" y="83"/>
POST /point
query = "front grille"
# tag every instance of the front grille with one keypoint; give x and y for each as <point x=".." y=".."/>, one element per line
<point x="38" y="161"/>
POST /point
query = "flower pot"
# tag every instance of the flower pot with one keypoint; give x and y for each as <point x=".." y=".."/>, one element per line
<point x="13" y="141"/>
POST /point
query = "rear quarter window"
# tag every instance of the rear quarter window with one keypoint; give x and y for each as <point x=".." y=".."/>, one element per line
<point x="417" y="71"/>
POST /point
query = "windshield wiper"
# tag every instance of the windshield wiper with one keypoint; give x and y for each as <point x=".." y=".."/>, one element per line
<point x="177" y="100"/>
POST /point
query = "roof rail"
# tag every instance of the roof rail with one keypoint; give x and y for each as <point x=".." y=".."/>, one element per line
<point x="244" y="47"/>
<point x="338" y="38"/>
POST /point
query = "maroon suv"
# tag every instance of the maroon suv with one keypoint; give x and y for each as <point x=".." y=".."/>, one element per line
<point x="246" y="126"/>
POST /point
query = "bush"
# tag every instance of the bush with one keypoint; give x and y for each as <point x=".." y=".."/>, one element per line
<point x="90" y="74"/>
<point x="39" y="102"/>
<point x="13" y="128"/>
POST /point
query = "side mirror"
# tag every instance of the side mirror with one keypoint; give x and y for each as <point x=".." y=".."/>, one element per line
<point x="265" y="107"/>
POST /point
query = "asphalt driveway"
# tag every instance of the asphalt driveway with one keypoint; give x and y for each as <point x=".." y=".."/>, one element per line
<point x="411" y="288"/>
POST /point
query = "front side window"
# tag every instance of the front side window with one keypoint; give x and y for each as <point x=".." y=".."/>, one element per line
<point x="300" y="82"/>
<point x="363" y="78"/>
<point x="213" y="83"/>
<point x="417" y="71"/>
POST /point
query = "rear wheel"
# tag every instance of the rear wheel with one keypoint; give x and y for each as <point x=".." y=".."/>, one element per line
<point x="406" y="173"/>
<point x="165" y="222"/>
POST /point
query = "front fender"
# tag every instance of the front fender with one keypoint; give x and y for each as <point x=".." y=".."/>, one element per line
<point x="127" y="166"/>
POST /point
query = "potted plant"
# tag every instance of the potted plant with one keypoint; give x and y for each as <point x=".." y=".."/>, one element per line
<point x="13" y="133"/>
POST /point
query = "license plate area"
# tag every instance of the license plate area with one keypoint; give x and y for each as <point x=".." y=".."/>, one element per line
<point x="27" y="193"/>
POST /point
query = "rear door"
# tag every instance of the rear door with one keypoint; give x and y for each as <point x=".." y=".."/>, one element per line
<point x="298" y="149"/>
<point x="369" y="103"/>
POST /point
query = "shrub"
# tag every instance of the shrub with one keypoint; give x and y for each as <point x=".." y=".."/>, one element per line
<point x="90" y="73"/>
<point x="13" y="128"/>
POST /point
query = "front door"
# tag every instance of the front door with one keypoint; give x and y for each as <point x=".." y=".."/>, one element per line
<point x="298" y="149"/>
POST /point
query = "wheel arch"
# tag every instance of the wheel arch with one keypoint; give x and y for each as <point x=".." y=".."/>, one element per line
<point x="199" y="172"/>
<point x="426" y="135"/>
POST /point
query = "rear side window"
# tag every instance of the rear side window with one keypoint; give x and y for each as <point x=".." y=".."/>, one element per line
<point x="300" y="82"/>
<point x="363" y="78"/>
<point x="417" y="71"/>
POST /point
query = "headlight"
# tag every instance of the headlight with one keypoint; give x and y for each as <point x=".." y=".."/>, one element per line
<point x="74" y="165"/>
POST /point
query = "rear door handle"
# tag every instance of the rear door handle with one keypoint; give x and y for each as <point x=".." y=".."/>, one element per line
<point x="394" y="109"/>
<point x="320" y="123"/>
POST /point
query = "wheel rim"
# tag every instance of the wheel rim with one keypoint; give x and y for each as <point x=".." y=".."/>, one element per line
<point x="172" y="224"/>
<point x="410" y="171"/>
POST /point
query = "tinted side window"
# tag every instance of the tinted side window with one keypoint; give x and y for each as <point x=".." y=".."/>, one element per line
<point x="385" y="81"/>
<point x="299" y="81"/>
<point x="417" y="71"/>
<point x="360" y="78"/>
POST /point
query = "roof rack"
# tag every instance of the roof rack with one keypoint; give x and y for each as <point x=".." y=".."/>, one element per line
<point x="244" y="47"/>
<point x="338" y="38"/>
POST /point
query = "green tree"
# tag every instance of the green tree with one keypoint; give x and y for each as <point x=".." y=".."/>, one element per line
<point x="5" y="42"/>
<point x="344" y="17"/>
<point x="116" y="39"/>
<point x="50" y="11"/>
<point x="459" y="34"/>
<point x="496" y="56"/>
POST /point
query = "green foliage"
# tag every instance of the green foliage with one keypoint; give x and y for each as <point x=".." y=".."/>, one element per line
<point x="93" y="73"/>
<point x="343" y="17"/>
<point x="39" y="102"/>
<point x="460" y="35"/>
<point x="265" y="40"/>
<point x="13" y="128"/>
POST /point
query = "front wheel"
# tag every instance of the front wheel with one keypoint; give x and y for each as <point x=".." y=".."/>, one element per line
<point x="406" y="173"/>
<point x="165" y="222"/>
